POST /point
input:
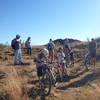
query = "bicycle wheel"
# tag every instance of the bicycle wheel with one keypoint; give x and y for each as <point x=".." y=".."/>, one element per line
<point x="87" y="64"/>
<point x="87" y="61"/>
<point x="46" y="83"/>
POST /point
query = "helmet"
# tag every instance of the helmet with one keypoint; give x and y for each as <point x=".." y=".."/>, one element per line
<point x="45" y="52"/>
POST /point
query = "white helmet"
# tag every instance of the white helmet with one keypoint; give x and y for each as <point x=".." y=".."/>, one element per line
<point x="45" y="52"/>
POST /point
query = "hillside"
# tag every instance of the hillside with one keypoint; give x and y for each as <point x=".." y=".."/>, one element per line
<point x="61" y="41"/>
<point x="20" y="82"/>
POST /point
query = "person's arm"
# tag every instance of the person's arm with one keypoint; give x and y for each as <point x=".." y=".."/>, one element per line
<point x="46" y="59"/>
<point x="54" y="44"/>
<point x="63" y="55"/>
<point x="89" y="45"/>
<point x="47" y="45"/>
<point x="30" y="43"/>
<point x="96" y="45"/>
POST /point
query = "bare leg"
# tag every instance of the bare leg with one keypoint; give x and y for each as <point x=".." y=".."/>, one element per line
<point x="52" y="56"/>
<point x="94" y="62"/>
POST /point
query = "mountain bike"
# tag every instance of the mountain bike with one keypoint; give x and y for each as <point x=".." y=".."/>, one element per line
<point x="49" y="77"/>
<point x="45" y="84"/>
<point x="87" y="61"/>
<point x="61" y="71"/>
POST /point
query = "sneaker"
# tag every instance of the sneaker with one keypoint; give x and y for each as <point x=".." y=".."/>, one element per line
<point x="55" y="84"/>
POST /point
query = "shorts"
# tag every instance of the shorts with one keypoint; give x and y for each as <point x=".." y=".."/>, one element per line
<point x="40" y="71"/>
<point x="93" y="54"/>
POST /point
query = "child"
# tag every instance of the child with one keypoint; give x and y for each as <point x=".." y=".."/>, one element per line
<point x="61" y="63"/>
<point x="41" y="57"/>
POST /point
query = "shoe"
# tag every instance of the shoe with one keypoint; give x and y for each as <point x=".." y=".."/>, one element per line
<point x="55" y="84"/>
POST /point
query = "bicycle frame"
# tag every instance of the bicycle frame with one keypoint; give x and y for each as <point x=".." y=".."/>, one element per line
<point x="61" y="69"/>
<point x="46" y="77"/>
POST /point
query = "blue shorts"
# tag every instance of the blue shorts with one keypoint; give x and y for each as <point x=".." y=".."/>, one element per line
<point x="93" y="54"/>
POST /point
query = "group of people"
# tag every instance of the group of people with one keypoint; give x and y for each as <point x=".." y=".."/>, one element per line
<point x="66" y="50"/>
<point x="63" y="55"/>
<point x="16" y="46"/>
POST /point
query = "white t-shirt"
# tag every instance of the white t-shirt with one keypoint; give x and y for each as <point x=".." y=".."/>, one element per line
<point x="60" y="57"/>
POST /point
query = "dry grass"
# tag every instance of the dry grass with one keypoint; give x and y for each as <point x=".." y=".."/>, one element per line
<point x="14" y="86"/>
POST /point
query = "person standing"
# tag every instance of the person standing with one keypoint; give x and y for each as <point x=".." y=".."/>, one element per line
<point x="66" y="50"/>
<point x="51" y="47"/>
<point x="16" y="46"/>
<point x="28" y="46"/>
<point x="92" y="51"/>
<point x="66" y="42"/>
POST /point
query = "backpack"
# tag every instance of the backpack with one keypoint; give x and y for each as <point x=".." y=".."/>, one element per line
<point x="50" y="46"/>
<point x="13" y="44"/>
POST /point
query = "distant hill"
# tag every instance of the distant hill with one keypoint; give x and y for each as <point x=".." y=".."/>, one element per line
<point x="61" y="41"/>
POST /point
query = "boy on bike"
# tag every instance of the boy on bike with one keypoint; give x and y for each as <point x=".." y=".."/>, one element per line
<point x="41" y="57"/>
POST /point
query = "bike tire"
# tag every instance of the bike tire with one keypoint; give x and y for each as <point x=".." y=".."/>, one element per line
<point x="46" y="81"/>
<point x="87" y="64"/>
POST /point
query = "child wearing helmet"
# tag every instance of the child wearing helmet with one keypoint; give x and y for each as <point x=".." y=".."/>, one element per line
<point x="41" y="57"/>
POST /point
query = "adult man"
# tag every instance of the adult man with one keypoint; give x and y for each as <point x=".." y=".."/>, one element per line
<point x="92" y="51"/>
<point x="16" y="46"/>
<point x="51" y="47"/>
<point x="28" y="46"/>
<point x="66" y="50"/>
<point x="66" y="42"/>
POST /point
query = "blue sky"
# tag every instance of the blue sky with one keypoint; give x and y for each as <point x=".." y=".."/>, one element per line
<point x="45" y="19"/>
